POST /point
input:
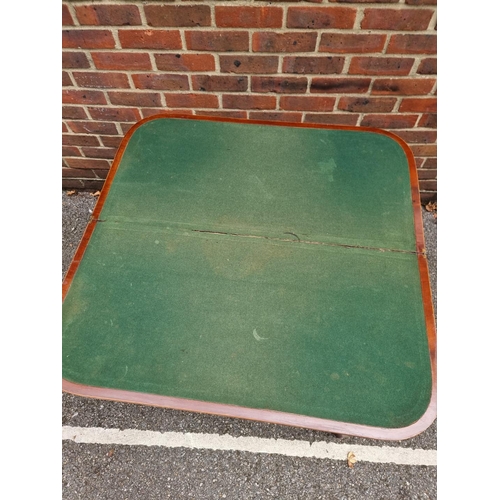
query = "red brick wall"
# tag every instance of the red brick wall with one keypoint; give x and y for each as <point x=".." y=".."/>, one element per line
<point x="352" y="62"/>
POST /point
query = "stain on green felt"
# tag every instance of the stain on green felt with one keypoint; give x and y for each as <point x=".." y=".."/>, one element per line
<point x="317" y="330"/>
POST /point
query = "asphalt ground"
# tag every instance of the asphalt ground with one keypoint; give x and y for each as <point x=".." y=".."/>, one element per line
<point x="92" y="470"/>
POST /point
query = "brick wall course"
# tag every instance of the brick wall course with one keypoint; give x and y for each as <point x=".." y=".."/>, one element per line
<point x="348" y="62"/>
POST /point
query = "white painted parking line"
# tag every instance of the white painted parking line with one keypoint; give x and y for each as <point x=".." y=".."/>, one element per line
<point x="319" y="449"/>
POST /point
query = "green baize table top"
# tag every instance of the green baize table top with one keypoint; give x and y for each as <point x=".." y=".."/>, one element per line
<point x="260" y="266"/>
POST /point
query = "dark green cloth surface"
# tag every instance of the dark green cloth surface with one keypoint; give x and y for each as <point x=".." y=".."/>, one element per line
<point x="308" y="327"/>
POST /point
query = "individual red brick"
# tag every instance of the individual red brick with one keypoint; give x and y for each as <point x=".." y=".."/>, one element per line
<point x="78" y="172"/>
<point x="217" y="41"/>
<point x="367" y="104"/>
<point x="121" y="60"/>
<point x="126" y="127"/>
<point x="84" y="184"/>
<point x="421" y="2"/>
<point x="389" y="121"/>
<point x="64" y="127"/>
<point x="402" y="86"/>
<point x="66" y="80"/>
<point x="108" y="15"/>
<point x="178" y="15"/>
<point x="276" y="116"/>
<point x="426" y="174"/>
<point x="380" y="65"/>
<point x="235" y="101"/>
<point x="223" y="114"/>
<point x="115" y="114"/>
<point x="79" y="140"/>
<point x="74" y="112"/>
<point x="422" y="105"/>
<point x="427" y="196"/>
<point x="424" y="149"/>
<point x="430" y="163"/>
<point x="67" y="20"/>
<point x="400" y="20"/>
<point x="412" y="44"/>
<point x="90" y="127"/>
<point x="332" y="118"/>
<point x="161" y="81"/>
<point x="83" y="97"/>
<point x="427" y="67"/>
<point x="111" y="141"/>
<point x="249" y="64"/>
<point x="141" y="99"/>
<point x="185" y="62"/>
<point x="216" y="83"/>
<point x="340" y="43"/>
<point x="81" y="173"/>
<point x="87" y="163"/>
<point x="248" y="17"/>
<point x="427" y="185"/>
<point x="284" y="42"/>
<point x="74" y="172"/>
<point x="150" y="39"/>
<point x="99" y="79"/>
<point x="75" y="60"/>
<point x="428" y="121"/>
<point x="321" y="17"/>
<point x="192" y="100"/>
<point x="340" y="85"/>
<point x="417" y="136"/>
<point x="307" y="103"/>
<point x="147" y="112"/>
<point x="87" y="39"/>
<point x="313" y="65"/>
<point x="166" y="112"/>
<point x="279" y="84"/>
<point x="70" y="151"/>
<point x="108" y="153"/>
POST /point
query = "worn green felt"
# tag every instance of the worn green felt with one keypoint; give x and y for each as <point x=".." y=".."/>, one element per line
<point x="338" y="186"/>
<point x="255" y="317"/>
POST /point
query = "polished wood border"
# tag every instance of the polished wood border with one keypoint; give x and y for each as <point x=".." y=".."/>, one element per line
<point x="263" y="415"/>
